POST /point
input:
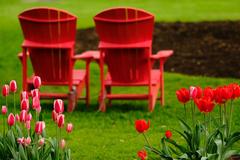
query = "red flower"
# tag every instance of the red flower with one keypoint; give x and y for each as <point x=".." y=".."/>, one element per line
<point x="141" y="125"/>
<point x="235" y="90"/>
<point x="27" y="141"/>
<point x="17" y="118"/>
<point x="199" y="92"/>
<point x="60" y="120"/>
<point x="54" y="116"/>
<point x="4" y="110"/>
<point x="35" y="102"/>
<point x="24" y="95"/>
<point x="23" y="116"/>
<point x="168" y="134"/>
<point x="20" y="140"/>
<point x="28" y="125"/>
<point x="183" y="95"/>
<point x="142" y="154"/>
<point x="5" y="90"/>
<point x="29" y="117"/>
<point x="36" y="82"/>
<point x="58" y="106"/>
<point x="13" y="86"/>
<point x="11" y="119"/>
<point x="222" y="94"/>
<point x="25" y="104"/>
<point x="39" y="127"/>
<point x="41" y="142"/>
<point x="204" y="104"/>
<point x="192" y="92"/>
<point x="62" y="143"/>
<point x="208" y="92"/>
<point x="69" y="127"/>
<point x="35" y="93"/>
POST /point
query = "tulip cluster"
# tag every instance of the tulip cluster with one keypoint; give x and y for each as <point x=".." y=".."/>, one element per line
<point x="24" y="118"/>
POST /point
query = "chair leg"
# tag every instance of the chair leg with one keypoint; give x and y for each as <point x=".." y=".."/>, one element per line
<point x="150" y="103"/>
<point x="72" y="99"/>
<point x="109" y="91"/>
<point x="87" y="92"/>
<point x="162" y="84"/>
<point x="101" y="100"/>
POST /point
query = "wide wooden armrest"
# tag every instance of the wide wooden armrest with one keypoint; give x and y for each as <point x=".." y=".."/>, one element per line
<point x="88" y="55"/>
<point x="164" y="54"/>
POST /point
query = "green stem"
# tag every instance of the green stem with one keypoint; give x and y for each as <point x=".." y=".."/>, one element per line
<point x="220" y="112"/>
<point x="185" y="110"/>
<point x="231" y="112"/>
<point x="147" y="140"/>
<point x="225" y="120"/>
<point x="3" y="125"/>
<point x="193" y="124"/>
<point x="14" y="103"/>
<point x="205" y="138"/>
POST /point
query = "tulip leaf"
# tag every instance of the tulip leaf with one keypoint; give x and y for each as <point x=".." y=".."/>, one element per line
<point x="22" y="153"/>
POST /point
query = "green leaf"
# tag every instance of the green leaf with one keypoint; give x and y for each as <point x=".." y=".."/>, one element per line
<point x="235" y="137"/>
<point x="22" y="153"/>
<point x="230" y="153"/>
<point x="185" y="127"/>
<point x="181" y="148"/>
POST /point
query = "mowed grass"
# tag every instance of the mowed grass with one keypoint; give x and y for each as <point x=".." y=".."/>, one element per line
<point x="112" y="135"/>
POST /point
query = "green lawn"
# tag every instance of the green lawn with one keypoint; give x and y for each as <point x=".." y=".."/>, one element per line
<point x="111" y="135"/>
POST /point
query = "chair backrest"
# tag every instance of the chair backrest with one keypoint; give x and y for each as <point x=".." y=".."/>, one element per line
<point x="49" y="27"/>
<point x="123" y="26"/>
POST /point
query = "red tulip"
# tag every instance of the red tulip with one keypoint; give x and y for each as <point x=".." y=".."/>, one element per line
<point x="208" y="92"/>
<point x="69" y="127"/>
<point x="11" y="119"/>
<point x="222" y="94"/>
<point x="41" y="142"/>
<point x="58" y="106"/>
<point x="4" y="110"/>
<point x="23" y="116"/>
<point x="39" y="127"/>
<point x="183" y="95"/>
<point x="54" y="116"/>
<point x="168" y="134"/>
<point x="24" y="95"/>
<point x="141" y="125"/>
<point x="142" y="154"/>
<point x="199" y="92"/>
<point x="5" y="90"/>
<point x="20" y="140"/>
<point x="25" y="104"/>
<point x="35" y="93"/>
<point x="193" y="92"/>
<point x="36" y="103"/>
<point x="13" y="86"/>
<point x="204" y="104"/>
<point x="62" y="144"/>
<point x="235" y="90"/>
<point x="36" y="82"/>
<point x="27" y="141"/>
<point x="60" y="120"/>
<point x="28" y="125"/>
<point x="29" y="117"/>
<point x="17" y="118"/>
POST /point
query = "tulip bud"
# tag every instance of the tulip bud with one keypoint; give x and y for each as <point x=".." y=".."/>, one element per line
<point x="35" y="93"/>
<point x="36" y="82"/>
<point x="28" y="125"/>
<point x="23" y="116"/>
<point x="62" y="144"/>
<point x="41" y="142"/>
<point x="24" y="95"/>
<point x="27" y="141"/>
<point x="60" y="120"/>
<point x="11" y="119"/>
<point x="192" y="92"/>
<point x="54" y="116"/>
<point x="4" y="110"/>
<point x="39" y="127"/>
<point x="13" y="86"/>
<point x="36" y="102"/>
<point x="25" y="104"/>
<point x="168" y="134"/>
<point x="5" y="90"/>
<point x="58" y="106"/>
<point x="20" y="140"/>
<point x="17" y="118"/>
<point x="29" y="117"/>
<point x="69" y="127"/>
<point x="38" y="110"/>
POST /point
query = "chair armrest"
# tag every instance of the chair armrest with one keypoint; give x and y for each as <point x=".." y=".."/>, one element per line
<point x="164" y="54"/>
<point x="88" y="55"/>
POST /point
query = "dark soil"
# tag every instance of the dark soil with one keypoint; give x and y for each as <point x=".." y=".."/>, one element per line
<point x="205" y="48"/>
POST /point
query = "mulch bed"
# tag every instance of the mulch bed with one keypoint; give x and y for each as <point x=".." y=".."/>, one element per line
<point x="204" y="48"/>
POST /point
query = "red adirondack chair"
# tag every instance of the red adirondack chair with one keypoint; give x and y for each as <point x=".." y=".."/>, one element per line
<point x="126" y="48"/>
<point x="49" y="39"/>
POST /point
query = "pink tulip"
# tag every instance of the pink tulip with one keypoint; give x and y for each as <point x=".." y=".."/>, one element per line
<point x="58" y="106"/>
<point x="27" y="141"/>
<point x="69" y="127"/>
<point x="54" y="116"/>
<point x="28" y="125"/>
<point x="4" y="110"/>
<point x="24" y="95"/>
<point x="62" y="144"/>
<point x="35" y="93"/>
<point x="29" y="117"/>
<point x="60" y="120"/>
<point x="23" y="116"/>
<point x="36" y="82"/>
<point x="41" y="142"/>
<point x="25" y="104"/>
<point x="11" y="119"/>
<point x="193" y="92"/>
<point x="39" y="127"/>
<point x="20" y="140"/>
<point x="38" y="110"/>
<point x="36" y="102"/>
<point x="17" y="118"/>
<point x="13" y="86"/>
<point x="5" y="90"/>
